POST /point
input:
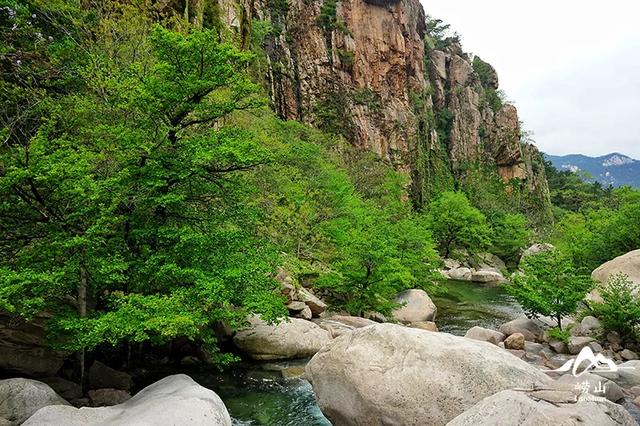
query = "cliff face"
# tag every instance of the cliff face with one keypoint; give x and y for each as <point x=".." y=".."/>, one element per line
<point x="367" y="69"/>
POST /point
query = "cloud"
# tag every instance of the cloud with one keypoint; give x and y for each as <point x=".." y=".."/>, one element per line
<point x="572" y="68"/>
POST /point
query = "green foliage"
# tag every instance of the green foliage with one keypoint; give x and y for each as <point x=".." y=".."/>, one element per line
<point x="341" y="214"/>
<point x="346" y="57"/>
<point x="570" y="193"/>
<point x="456" y="224"/>
<point x="549" y="285"/>
<point x="332" y="114"/>
<point x="619" y="310"/>
<point x="436" y="35"/>
<point x="485" y="72"/>
<point x="559" y="334"/>
<point x="510" y="234"/>
<point x="444" y="124"/>
<point x="122" y="181"/>
<point x="602" y="230"/>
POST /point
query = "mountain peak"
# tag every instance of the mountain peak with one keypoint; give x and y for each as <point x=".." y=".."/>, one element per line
<point x="612" y="169"/>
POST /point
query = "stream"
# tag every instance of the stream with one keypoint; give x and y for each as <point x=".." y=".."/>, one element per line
<point x="274" y="394"/>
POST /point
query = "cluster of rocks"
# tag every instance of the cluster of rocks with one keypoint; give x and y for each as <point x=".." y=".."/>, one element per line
<point x="389" y="374"/>
<point x="486" y="268"/>
<point x="301" y="301"/>
<point x="173" y="400"/>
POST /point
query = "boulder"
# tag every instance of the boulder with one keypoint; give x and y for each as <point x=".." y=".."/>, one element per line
<point x="596" y="347"/>
<point x="487" y="276"/>
<point x="533" y="348"/>
<point x="460" y="274"/>
<point x="102" y="376"/>
<point x="612" y="391"/>
<point x="628" y="355"/>
<point x="531" y="331"/>
<point x="558" y="346"/>
<point x="416" y="306"/>
<point x="590" y="326"/>
<point x="628" y="264"/>
<point x="108" y="397"/>
<point x="425" y="325"/>
<point x="512" y="408"/>
<point x="515" y="341"/>
<point x="485" y="335"/>
<point x="316" y="305"/>
<point x="65" y="388"/>
<point x="306" y="313"/>
<point x="174" y="400"/>
<point x="24" y="349"/>
<point x="451" y="264"/>
<point x="488" y="261"/>
<point x="296" y="306"/>
<point x="20" y="398"/>
<point x="388" y="374"/>
<point x="627" y="376"/>
<point x="535" y="249"/>
<point x="576" y="343"/>
<point x="293" y="338"/>
<point x="337" y="325"/>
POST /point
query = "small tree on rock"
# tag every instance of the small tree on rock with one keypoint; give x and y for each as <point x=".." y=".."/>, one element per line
<point x="549" y="285"/>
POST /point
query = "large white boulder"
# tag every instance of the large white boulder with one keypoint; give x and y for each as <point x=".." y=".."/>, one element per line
<point x="386" y="374"/>
<point x="511" y="408"/>
<point x="416" y="306"/>
<point x="292" y="338"/>
<point x="627" y="264"/>
<point x="20" y="398"/>
<point x="174" y="400"/>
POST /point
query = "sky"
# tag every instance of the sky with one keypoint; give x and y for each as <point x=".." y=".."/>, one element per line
<point x="572" y="68"/>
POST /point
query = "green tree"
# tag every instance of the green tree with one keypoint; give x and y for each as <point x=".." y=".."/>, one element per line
<point x="456" y="224"/>
<point x="619" y="310"/>
<point x="509" y="235"/>
<point x="125" y="210"/>
<point x="549" y="285"/>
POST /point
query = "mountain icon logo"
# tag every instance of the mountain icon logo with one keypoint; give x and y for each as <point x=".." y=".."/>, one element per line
<point x="596" y="363"/>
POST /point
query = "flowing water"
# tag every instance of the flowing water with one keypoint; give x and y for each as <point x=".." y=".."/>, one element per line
<point x="270" y="394"/>
<point x="463" y="304"/>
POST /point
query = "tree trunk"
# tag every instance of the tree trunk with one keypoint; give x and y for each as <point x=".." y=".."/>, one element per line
<point x="559" y="319"/>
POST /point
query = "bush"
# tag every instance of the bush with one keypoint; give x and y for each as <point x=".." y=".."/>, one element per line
<point x="556" y="333"/>
<point x="549" y="286"/>
<point x="620" y="309"/>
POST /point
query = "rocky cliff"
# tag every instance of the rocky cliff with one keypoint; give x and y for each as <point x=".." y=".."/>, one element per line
<point x="375" y="71"/>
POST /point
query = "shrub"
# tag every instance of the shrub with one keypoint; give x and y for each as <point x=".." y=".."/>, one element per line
<point x="620" y="309"/>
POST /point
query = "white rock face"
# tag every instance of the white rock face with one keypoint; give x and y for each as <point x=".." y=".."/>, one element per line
<point x="386" y="374"/>
<point x="511" y="408"/>
<point x="417" y="306"/>
<point x="174" y="400"/>
<point x="295" y="338"/>
<point x="20" y="398"/>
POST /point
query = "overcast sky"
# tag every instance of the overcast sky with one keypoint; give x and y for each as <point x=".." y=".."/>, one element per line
<point x="572" y="67"/>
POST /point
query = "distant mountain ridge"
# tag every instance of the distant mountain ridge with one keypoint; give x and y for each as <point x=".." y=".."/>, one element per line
<point x="612" y="169"/>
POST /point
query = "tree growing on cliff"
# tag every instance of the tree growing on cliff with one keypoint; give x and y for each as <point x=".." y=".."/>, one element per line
<point x="456" y="224"/>
<point x="549" y="285"/>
